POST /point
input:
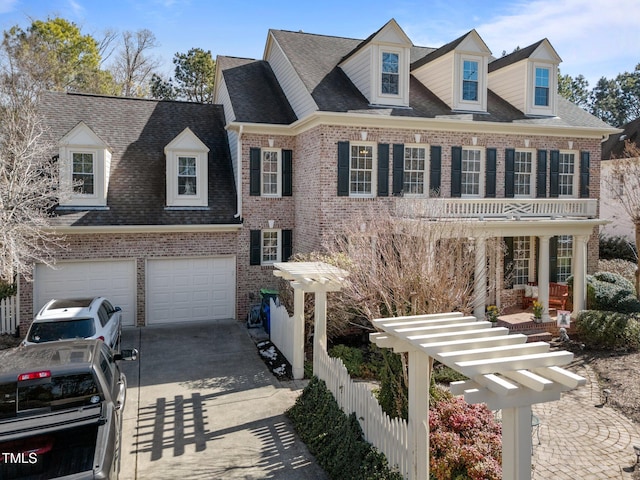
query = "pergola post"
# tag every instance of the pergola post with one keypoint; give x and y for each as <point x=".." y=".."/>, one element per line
<point x="320" y="326"/>
<point x="297" y="365"/>
<point x="419" y="376"/>
<point x="516" y="443"/>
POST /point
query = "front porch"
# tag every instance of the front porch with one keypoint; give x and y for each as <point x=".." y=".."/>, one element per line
<point x="519" y="320"/>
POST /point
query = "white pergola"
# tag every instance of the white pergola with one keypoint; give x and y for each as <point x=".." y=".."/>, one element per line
<point x="504" y="371"/>
<point x="309" y="277"/>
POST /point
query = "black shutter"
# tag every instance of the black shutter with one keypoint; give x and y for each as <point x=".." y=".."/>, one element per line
<point x="554" y="174"/>
<point x="343" y="169"/>
<point x="255" y="247"/>
<point x="254" y="172"/>
<point x="435" y="169"/>
<point x="398" y="169"/>
<point x="456" y="171"/>
<point x="287" y="173"/>
<point x="509" y="172"/>
<point x="508" y="262"/>
<point x="584" y="174"/>
<point x="383" y="170"/>
<point x="287" y="245"/>
<point x="541" y="174"/>
<point x="553" y="259"/>
<point x="490" y="179"/>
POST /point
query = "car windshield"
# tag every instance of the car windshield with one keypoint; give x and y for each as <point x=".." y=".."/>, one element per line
<point x="60" y="330"/>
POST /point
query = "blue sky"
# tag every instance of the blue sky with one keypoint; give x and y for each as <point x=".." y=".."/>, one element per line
<point x="593" y="37"/>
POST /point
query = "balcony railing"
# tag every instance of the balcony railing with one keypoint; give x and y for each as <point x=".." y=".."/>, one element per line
<point x="487" y="208"/>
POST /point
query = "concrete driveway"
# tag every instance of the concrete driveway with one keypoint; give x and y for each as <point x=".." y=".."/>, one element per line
<point x="201" y="404"/>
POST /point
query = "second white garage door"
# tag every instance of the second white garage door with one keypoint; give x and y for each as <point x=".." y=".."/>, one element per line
<point x="187" y="289"/>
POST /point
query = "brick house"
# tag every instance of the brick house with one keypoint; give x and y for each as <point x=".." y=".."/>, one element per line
<point x="178" y="211"/>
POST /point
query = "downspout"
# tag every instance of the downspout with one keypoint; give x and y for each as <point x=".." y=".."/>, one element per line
<point x="239" y="174"/>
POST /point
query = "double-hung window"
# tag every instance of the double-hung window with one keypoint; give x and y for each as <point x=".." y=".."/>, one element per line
<point x="414" y="170"/>
<point x="565" y="253"/>
<point x="83" y="173"/>
<point x="523" y="174"/>
<point x="361" y="170"/>
<point x="390" y="81"/>
<point x="471" y="172"/>
<point x="187" y="176"/>
<point x="541" y="98"/>
<point x="521" y="260"/>
<point x="470" y="80"/>
<point x="270" y="246"/>
<point x="566" y="174"/>
<point x="270" y="172"/>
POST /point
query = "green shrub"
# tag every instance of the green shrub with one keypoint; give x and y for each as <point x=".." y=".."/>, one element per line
<point x="7" y="289"/>
<point x="336" y="439"/>
<point x="610" y="292"/>
<point x="445" y="375"/>
<point x="609" y="330"/>
<point x="352" y="357"/>
<point x="617" y="247"/>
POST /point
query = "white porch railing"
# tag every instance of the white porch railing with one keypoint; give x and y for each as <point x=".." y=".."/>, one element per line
<point x="8" y="314"/>
<point x="390" y="436"/>
<point x="497" y="207"/>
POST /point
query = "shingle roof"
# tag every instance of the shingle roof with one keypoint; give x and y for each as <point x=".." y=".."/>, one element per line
<point x="244" y="78"/>
<point x="615" y="145"/>
<point x="514" y="57"/>
<point x="136" y="132"/>
<point x="439" y="52"/>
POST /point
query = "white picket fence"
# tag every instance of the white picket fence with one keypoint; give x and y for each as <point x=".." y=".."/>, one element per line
<point x="8" y="314"/>
<point x="390" y="436"/>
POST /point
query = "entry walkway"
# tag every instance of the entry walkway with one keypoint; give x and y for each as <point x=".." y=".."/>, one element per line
<point x="579" y="440"/>
<point x="202" y="405"/>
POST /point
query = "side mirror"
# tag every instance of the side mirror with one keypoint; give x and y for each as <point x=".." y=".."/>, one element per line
<point x="128" y="355"/>
<point x="117" y="309"/>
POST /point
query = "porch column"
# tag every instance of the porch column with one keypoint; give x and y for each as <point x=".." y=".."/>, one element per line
<point x="516" y="443"/>
<point x="543" y="276"/>
<point x="419" y="379"/>
<point x="480" y="276"/>
<point x="298" y="334"/>
<point x="320" y="326"/>
<point x="579" y="270"/>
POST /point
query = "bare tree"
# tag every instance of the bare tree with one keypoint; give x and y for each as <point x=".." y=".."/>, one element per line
<point x="28" y="176"/>
<point x="625" y="182"/>
<point x="133" y="67"/>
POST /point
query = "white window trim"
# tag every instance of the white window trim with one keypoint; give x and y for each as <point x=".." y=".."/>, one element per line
<point x="529" y="258"/>
<point x="532" y="187"/>
<point x="279" y="246"/>
<point x="96" y="174"/>
<point x="482" y="173"/>
<point x="402" y="97"/>
<point x="570" y="256"/>
<point x="576" y="174"/>
<point x="427" y="163"/>
<point x="174" y="199"/>
<point x="534" y="109"/>
<point x="472" y="105"/>
<point x="278" y="193"/>
<point x="374" y="170"/>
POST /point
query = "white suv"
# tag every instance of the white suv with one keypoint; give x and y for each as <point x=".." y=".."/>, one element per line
<point x="77" y="318"/>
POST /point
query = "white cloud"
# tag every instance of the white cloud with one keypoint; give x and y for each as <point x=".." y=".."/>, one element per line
<point x="7" y="6"/>
<point x="75" y="7"/>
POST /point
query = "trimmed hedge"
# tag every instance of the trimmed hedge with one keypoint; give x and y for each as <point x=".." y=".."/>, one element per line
<point x="610" y="292"/>
<point x="335" y="439"/>
<point x="609" y="330"/>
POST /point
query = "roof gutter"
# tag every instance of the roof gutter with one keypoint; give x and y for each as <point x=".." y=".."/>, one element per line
<point x="239" y="173"/>
<point x="91" y="229"/>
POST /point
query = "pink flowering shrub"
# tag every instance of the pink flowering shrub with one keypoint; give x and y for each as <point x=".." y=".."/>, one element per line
<point x="465" y="441"/>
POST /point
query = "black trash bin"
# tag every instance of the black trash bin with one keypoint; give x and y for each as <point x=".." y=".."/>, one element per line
<point x="266" y="295"/>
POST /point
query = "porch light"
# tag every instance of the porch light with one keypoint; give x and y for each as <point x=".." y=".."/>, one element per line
<point x="526" y="143"/>
<point x="271" y="223"/>
<point x="271" y="143"/>
<point x="474" y="141"/>
<point x="363" y="135"/>
<point x="570" y="145"/>
<point x="417" y="137"/>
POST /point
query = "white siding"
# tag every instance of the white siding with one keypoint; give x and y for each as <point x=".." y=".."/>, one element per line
<point x="294" y="89"/>
<point x="437" y="76"/>
<point x="358" y="69"/>
<point x="232" y="138"/>
<point x="510" y="84"/>
<point x="225" y="100"/>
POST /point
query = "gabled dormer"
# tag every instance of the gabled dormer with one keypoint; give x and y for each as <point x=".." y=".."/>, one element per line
<point x="379" y="66"/>
<point x="187" y="171"/>
<point x="84" y="162"/>
<point x="457" y="73"/>
<point x="528" y="78"/>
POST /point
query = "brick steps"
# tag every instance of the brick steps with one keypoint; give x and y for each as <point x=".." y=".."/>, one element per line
<point x="535" y="332"/>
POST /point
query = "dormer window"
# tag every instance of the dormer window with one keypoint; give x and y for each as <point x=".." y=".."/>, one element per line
<point x="84" y="160"/>
<point x="470" y="81"/>
<point x="390" y="73"/>
<point x="541" y="98"/>
<point x="187" y="170"/>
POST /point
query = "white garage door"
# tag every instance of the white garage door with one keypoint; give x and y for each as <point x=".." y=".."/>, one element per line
<point x="188" y="289"/>
<point x="113" y="279"/>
